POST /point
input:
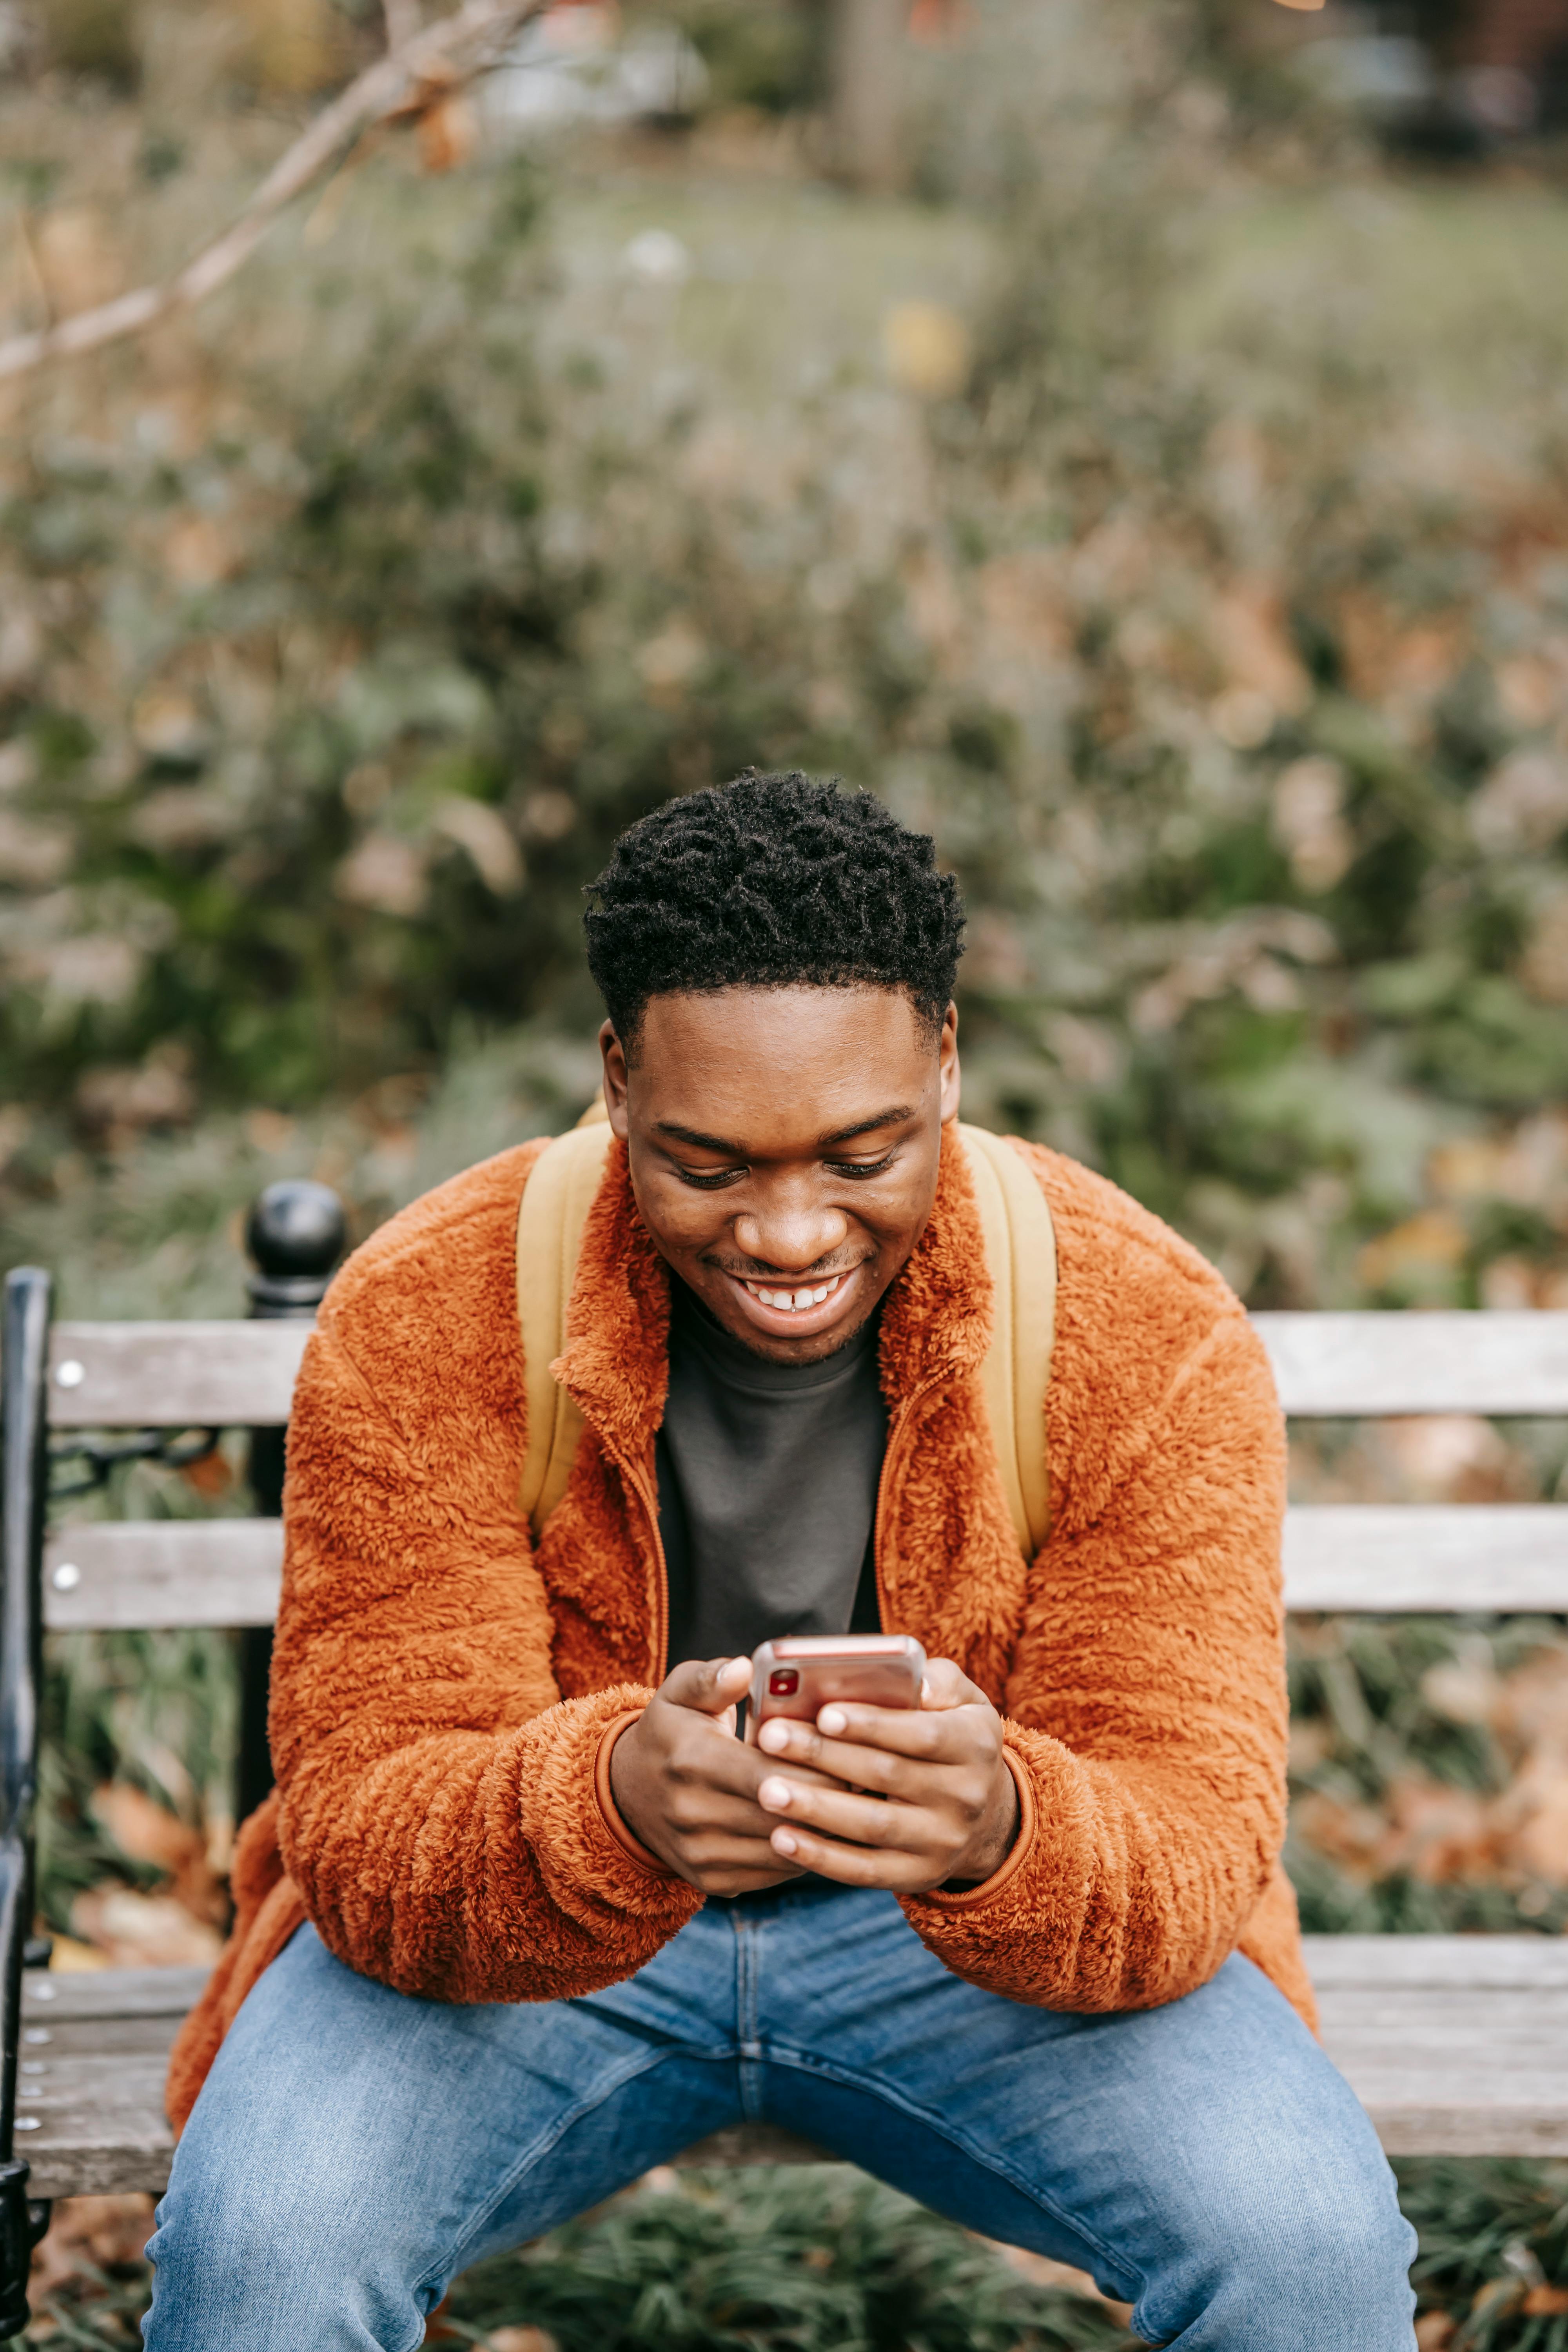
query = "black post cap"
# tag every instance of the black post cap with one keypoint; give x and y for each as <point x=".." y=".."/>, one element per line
<point x="296" y="1233"/>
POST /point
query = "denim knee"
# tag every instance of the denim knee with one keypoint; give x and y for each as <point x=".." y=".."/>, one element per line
<point x="1357" y="2248"/>
<point x="270" y="2265"/>
<point x="1312" y="2267"/>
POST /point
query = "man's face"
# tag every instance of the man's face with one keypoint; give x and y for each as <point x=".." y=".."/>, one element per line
<point x="783" y="1146"/>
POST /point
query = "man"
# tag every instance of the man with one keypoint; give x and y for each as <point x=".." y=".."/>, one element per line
<point x="525" y="1918"/>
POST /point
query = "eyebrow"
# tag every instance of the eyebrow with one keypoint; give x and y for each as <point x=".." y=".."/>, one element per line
<point x="899" y="1115"/>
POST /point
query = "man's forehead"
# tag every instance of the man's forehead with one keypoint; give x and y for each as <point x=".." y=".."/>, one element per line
<point x="798" y="1025"/>
<point x="737" y="1064"/>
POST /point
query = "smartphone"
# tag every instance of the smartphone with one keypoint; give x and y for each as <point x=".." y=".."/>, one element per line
<point x="799" y="1674"/>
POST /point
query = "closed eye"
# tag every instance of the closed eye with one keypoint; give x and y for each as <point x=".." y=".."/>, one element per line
<point x="861" y="1167"/>
<point x="712" y="1180"/>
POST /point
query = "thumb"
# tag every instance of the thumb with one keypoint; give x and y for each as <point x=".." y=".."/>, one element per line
<point x="946" y="1685"/>
<point x="708" y="1685"/>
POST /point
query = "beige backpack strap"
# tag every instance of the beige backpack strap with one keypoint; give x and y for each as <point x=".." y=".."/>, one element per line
<point x="555" y="1204"/>
<point x="1021" y="1252"/>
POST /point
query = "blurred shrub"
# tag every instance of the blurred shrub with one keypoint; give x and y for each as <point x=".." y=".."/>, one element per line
<point x="766" y="2260"/>
<point x="97" y="38"/>
<point x="775" y="2259"/>
<point x="767" y="54"/>
<point x="1429" y="1776"/>
<point x="1494" y="2253"/>
<point x="1241" y="707"/>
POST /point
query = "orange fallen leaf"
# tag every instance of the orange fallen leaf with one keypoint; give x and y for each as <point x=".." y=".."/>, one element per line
<point x="147" y="1832"/>
<point x="210" y="1474"/>
<point x="143" y="1829"/>
<point x="448" y="133"/>
<point x="90" y="2231"/>
<point x="144" y="1931"/>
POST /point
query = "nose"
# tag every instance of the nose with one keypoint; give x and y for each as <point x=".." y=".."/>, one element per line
<point x="789" y="1231"/>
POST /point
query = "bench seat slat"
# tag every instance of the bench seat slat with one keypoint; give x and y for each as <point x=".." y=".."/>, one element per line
<point x="174" y="1375"/>
<point x="1456" y="2044"/>
<point x="153" y="1573"/>
<point x="1480" y="1963"/>
<point x="100" y="2100"/>
<point x="1328" y="1366"/>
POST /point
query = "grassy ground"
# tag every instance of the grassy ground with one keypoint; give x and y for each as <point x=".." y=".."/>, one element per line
<point x="1436" y="260"/>
<point x="767" y="2261"/>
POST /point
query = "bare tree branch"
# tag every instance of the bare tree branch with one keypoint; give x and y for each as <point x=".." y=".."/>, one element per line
<point x="402" y="21"/>
<point x="438" y="57"/>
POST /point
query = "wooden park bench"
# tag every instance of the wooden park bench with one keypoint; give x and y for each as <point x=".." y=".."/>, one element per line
<point x="1454" y="2043"/>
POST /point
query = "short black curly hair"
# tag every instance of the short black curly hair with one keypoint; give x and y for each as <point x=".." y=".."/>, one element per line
<point x="773" y="881"/>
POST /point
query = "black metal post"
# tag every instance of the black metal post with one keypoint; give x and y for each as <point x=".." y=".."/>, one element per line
<point x="24" y="1479"/>
<point x="295" y="1235"/>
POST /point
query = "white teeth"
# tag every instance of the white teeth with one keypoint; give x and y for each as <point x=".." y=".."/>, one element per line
<point x="794" y="1302"/>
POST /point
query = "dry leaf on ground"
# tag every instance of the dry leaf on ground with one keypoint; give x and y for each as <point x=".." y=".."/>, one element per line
<point x="89" y="2230"/>
<point x="144" y="1931"/>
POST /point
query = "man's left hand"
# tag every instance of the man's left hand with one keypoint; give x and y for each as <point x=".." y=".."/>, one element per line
<point x="944" y="1805"/>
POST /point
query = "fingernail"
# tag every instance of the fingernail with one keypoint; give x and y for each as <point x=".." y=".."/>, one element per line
<point x="774" y="1737"/>
<point x="782" y="1842"/>
<point x="832" y="1721"/>
<point x="775" y="1795"/>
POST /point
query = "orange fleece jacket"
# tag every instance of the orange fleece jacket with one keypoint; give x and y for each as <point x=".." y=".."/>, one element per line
<point x="443" y="1690"/>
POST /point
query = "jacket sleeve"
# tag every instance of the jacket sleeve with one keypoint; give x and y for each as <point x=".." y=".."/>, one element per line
<point x="1153" y="1631"/>
<point x="438" y="1812"/>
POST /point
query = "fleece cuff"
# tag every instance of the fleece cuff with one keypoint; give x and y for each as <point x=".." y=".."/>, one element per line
<point x="966" y="1898"/>
<point x="631" y="1847"/>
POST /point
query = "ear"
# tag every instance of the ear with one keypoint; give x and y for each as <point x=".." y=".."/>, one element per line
<point x="614" y="1078"/>
<point x="947" y="1057"/>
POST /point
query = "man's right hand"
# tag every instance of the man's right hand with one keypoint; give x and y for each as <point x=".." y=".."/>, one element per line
<point x="687" y="1788"/>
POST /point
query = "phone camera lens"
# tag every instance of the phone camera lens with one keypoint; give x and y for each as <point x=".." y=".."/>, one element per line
<point x="783" y="1683"/>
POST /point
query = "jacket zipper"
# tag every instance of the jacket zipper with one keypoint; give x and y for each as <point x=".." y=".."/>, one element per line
<point x="904" y="1420"/>
<point x="640" y="1487"/>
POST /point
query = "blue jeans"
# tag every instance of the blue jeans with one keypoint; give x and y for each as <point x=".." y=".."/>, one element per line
<point x="354" y="2149"/>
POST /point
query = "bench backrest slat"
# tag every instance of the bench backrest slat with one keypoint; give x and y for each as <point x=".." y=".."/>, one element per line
<point x="1403" y="1362"/>
<point x="148" y="1575"/>
<point x="174" y="1375"/>
<point x="179" y="1375"/>
<point x="1397" y="1557"/>
<point x="1343" y="1556"/>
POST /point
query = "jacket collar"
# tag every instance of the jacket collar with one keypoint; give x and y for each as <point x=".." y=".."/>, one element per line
<point x="936" y="1320"/>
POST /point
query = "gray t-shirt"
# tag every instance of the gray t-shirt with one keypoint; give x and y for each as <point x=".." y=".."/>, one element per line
<point x="767" y="1488"/>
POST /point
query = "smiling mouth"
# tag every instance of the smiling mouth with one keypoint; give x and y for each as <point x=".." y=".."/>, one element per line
<point x="798" y="1298"/>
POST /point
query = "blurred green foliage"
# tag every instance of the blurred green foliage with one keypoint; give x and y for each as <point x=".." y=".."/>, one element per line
<point x="770" y="58"/>
<point x="826" y="2261"/>
<point x="765" y="2260"/>
<point x="1238" y="703"/>
<point x="776" y="2259"/>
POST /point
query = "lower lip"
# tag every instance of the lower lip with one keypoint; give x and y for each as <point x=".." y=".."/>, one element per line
<point x="802" y="1323"/>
